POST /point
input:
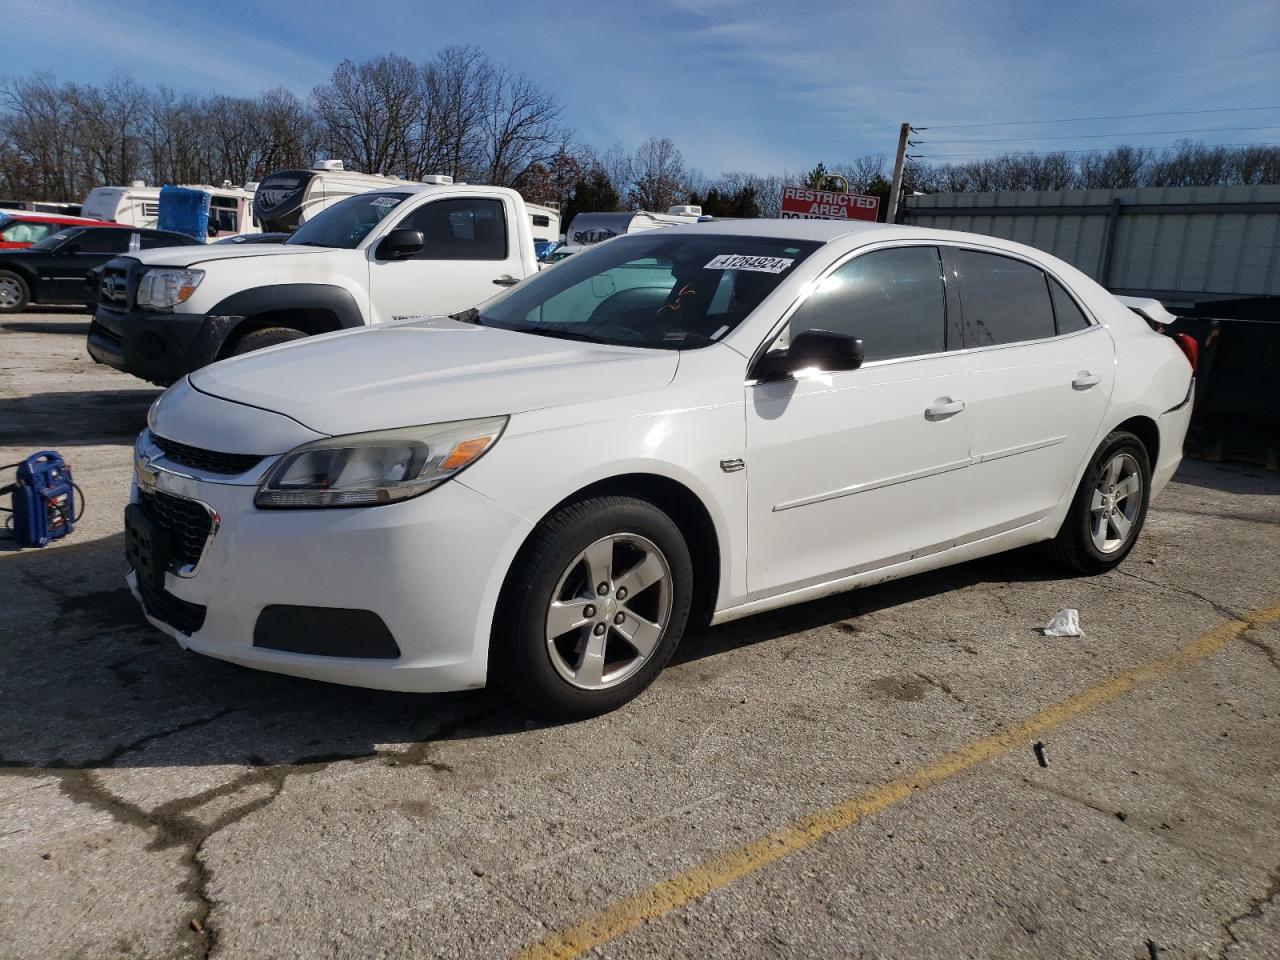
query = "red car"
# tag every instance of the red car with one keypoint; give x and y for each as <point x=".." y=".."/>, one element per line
<point x="19" y="229"/>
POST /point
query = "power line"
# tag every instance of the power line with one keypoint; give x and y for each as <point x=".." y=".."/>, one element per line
<point x="1118" y="116"/>
<point x="1043" y="153"/>
<point x="1101" y="136"/>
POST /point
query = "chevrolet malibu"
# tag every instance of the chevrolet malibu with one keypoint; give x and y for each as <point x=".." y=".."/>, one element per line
<point x="692" y="424"/>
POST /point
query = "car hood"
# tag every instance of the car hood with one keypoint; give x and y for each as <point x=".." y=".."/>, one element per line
<point x="428" y="371"/>
<point x="198" y="253"/>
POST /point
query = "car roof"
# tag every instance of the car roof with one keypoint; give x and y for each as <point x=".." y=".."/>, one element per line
<point x="57" y="218"/>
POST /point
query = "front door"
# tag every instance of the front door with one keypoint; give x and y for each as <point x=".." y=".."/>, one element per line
<point x="851" y="471"/>
<point x="70" y="264"/>
<point x="469" y="254"/>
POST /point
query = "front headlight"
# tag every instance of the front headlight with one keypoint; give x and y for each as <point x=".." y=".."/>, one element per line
<point x="161" y="288"/>
<point x="364" y="469"/>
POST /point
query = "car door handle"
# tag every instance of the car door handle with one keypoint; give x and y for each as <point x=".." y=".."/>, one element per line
<point x="943" y="408"/>
<point x="1084" y="380"/>
<point x="506" y="281"/>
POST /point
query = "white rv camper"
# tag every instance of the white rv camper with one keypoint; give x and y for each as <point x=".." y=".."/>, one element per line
<point x="287" y="199"/>
<point x="136" y="205"/>
<point x="589" y="228"/>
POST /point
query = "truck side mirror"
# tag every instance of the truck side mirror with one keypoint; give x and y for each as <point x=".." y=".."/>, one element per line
<point x="401" y="244"/>
<point x="823" y="349"/>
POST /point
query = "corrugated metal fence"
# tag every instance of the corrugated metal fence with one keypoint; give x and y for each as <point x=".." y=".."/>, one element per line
<point x="1179" y="244"/>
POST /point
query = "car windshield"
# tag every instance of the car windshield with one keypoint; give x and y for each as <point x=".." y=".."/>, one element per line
<point x="656" y="289"/>
<point x="52" y="241"/>
<point x="347" y="222"/>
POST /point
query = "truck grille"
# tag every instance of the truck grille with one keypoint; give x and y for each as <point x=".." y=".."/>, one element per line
<point x="189" y="523"/>
<point x="113" y="288"/>
<point x="211" y="461"/>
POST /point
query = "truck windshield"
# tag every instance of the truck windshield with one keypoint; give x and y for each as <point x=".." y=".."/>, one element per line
<point x="655" y="289"/>
<point x="347" y="222"/>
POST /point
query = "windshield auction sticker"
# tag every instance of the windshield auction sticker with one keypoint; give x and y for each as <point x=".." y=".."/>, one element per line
<point x="733" y="261"/>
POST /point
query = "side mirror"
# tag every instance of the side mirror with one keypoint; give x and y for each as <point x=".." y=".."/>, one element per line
<point x="400" y="244"/>
<point x="823" y="349"/>
<point x="72" y="247"/>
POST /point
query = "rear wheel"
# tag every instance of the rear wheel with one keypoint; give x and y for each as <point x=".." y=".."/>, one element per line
<point x="1109" y="508"/>
<point x="266" y="337"/>
<point x="593" y="608"/>
<point x="14" y="294"/>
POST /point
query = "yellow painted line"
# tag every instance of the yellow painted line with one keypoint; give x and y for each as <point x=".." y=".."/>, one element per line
<point x="696" y="882"/>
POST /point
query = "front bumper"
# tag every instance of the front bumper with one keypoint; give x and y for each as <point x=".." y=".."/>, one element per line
<point x="160" y="347"/>
<point x="429" y="568"/>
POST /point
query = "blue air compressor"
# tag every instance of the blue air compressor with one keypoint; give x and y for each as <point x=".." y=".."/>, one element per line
<point x="43" y="499"/>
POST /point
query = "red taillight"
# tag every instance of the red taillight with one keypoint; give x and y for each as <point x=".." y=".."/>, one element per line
<point x="1190" y="347"/>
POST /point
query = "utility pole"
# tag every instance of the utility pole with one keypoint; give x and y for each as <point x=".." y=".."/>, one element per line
<point x="895" y="192"/>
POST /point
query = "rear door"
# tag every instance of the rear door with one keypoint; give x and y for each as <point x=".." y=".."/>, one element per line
<point x="1041" y="378"/>
<point x="860" y="469"/>
<point x="470" y="253"/>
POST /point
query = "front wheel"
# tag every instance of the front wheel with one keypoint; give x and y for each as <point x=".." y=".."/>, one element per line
<point x="593" y="609"/>
<point x="1109" y="508"/>
<point x="14" y="295"/>
<point x="266" y="337"/>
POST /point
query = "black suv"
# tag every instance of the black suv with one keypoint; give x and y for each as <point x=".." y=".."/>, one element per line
<point x="56" y="269"/>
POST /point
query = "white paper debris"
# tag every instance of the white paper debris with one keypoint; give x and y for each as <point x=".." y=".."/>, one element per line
<point x="1065" y="623"/>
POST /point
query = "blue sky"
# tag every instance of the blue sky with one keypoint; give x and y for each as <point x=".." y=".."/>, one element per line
<point x="761" y="86"/>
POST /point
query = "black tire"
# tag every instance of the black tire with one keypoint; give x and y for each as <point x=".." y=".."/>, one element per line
<point x="520" y="659"/>
<point x="1074" y="547"/>
<point x="266" y="337"/>
<point x="17" y="288"/>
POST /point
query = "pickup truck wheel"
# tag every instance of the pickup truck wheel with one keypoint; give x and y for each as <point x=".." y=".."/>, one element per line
<point x="14" y="295"/>
<point x="593" y="608"/>
<point x="1109" y="507"/>
<point x="266" y="337"/>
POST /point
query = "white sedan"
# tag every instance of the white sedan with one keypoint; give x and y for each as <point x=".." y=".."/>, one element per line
<point x="697" y="423"/>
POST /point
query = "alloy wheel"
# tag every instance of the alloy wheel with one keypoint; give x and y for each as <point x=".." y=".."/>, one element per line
<point x="1116" y="500"/>
<point x="10" y="294"/>
<point x="609" y="611"/>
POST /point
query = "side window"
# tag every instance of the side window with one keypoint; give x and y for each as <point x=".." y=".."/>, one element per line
<point x="892" y="300"/>
<point x="466" y="228"/>
<point x="1004" y="300"/>
<point x="105" y="240"/>
<point x="28" y="231"/>
<point x="1068" y="316"/>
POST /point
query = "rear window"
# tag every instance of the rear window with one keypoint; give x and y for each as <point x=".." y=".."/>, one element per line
<point x="1003" y="300"/>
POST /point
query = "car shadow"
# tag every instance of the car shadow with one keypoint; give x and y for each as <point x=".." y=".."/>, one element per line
<point x="87" y="683"/>
<point x="80" y="327"/>
<point x="1230" y="477"/>
<point x="54" y="420"/>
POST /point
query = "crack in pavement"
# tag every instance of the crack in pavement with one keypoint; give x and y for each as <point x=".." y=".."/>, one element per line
<point x="173" y="824"/>
<point x="1220" y="608"/>
<point x="1252" y="911"/>
<point x="1258" y="643"/>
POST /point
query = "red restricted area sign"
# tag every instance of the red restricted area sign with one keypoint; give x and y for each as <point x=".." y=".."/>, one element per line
<point x="801" y="203"/>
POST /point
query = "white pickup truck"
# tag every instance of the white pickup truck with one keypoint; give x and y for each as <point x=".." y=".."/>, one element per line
<point x="400" y="251"/>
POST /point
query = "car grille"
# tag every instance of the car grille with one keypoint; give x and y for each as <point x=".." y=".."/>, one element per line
<point x="211" y="461"/>
<point x="113" y="288"/>
<point x="189" y="523"/>
<point x="182" y="615"/>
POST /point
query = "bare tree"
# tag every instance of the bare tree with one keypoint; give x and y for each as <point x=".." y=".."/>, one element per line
<point x="658" y="177"/>
<point x="368" y="110"/>
<point x="521" y="125"/>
